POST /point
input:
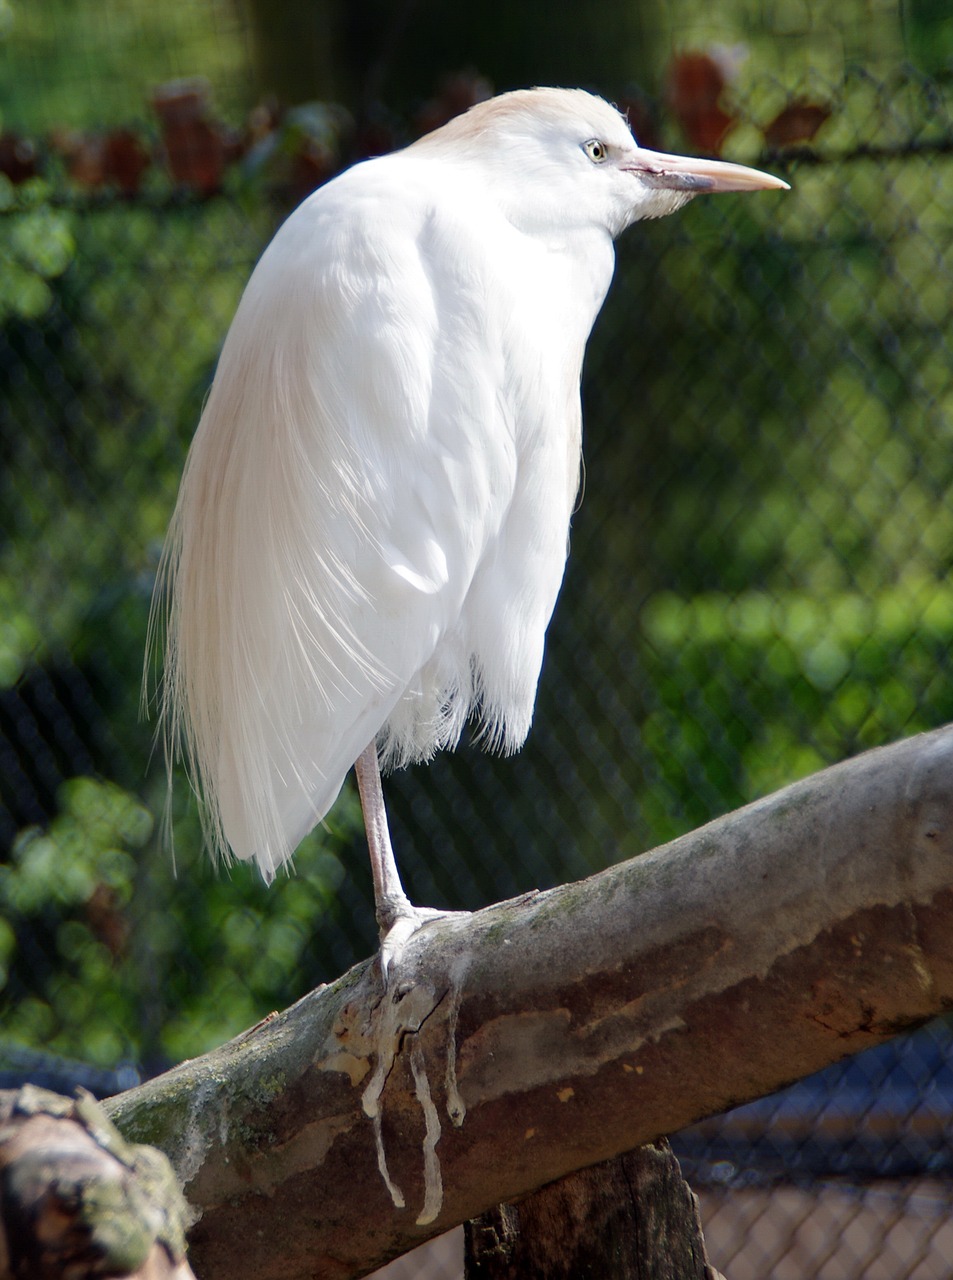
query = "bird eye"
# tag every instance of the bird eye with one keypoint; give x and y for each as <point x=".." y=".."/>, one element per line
<point x="596" y="151"/>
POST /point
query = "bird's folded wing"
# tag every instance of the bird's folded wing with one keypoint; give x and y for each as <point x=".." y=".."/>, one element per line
<point x="353" y="462"/>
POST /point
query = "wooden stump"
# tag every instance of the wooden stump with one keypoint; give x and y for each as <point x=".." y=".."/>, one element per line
<point x="632" y="1218"/>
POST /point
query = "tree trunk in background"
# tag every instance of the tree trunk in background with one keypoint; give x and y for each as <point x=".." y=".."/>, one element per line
<point x="632" y="1218"/>
<point x="397" y="51"/>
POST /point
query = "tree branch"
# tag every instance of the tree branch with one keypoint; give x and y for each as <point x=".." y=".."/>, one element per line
<point x="77" y="1201"/>
<point x="558" y="1030"/>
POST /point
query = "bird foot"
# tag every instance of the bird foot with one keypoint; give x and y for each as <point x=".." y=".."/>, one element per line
<point x="399" y="924"/>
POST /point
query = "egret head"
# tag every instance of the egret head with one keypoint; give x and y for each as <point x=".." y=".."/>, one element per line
<point x="564" y="156"/>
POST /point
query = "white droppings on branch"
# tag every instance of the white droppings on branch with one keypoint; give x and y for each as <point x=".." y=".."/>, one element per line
<point x="433" y="1180"/>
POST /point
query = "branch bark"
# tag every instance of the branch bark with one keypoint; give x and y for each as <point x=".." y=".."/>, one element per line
<point x="77" y="1202"/>
<point x="559" y="1030"/>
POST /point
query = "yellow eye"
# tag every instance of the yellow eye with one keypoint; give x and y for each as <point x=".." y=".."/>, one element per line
<point x="597" y="151"/>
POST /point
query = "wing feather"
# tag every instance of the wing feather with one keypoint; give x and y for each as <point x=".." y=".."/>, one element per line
<point x="337" y="499"/>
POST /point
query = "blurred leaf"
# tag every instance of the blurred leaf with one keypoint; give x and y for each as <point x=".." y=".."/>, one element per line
<point x="696" y="83"/>
<point x="798" y="122"/>
<point x="38" y="245"/>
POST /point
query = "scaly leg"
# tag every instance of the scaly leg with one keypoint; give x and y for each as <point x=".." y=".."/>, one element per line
<point x="390" y="901"/>
<point x="397" y="917"/>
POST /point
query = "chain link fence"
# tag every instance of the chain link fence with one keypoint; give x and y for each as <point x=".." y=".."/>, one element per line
<point x="759" y="586"/>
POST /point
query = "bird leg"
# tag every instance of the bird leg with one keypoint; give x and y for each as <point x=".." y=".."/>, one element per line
<point x="390" y="901"/>
<point x="397" y="917"/>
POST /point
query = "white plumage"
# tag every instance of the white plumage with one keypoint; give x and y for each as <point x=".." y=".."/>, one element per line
<point x="372" y="525"/>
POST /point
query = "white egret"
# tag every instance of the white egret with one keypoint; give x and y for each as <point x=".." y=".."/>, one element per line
<point x="372" y="525"/>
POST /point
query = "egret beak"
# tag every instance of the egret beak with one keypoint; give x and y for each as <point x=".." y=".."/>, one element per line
<point x="697" y="176"/>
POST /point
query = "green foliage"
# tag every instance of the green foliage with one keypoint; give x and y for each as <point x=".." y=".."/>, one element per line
<point x="102" y="397"/>
<point x="109" y="955"/>
<point x="736" y="678"/>
<point x="37" y="246"/>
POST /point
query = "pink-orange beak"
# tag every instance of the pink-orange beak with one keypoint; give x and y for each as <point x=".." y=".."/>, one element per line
<point x="688" y="173"/>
